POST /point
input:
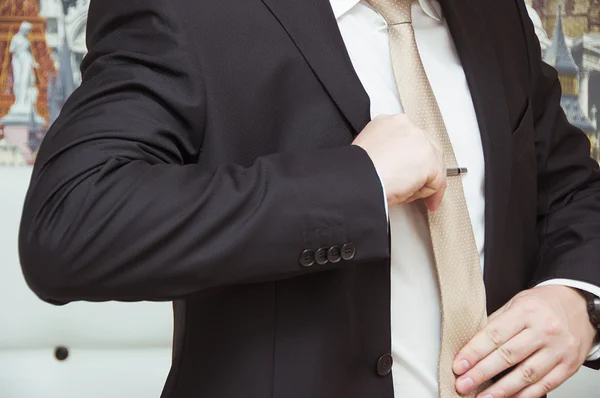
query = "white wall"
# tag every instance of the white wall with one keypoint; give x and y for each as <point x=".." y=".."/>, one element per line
<point x="117" y="350"/>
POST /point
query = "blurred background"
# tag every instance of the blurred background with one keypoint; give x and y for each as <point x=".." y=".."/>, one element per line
<point x="122" y="350"/>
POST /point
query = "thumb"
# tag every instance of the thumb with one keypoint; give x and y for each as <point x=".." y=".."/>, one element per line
<point x="434" y="201"/>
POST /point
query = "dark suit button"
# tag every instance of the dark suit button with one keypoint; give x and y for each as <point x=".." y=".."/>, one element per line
<point x="384" y="365"/>
<point x="334" y="255"/>
<point x="348" y="251"/>
<point x="61" y="353"/>
<point x="321" y="256"/>
<point x="307" y="258"/>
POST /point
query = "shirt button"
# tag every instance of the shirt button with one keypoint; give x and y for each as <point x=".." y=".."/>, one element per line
<point x="334" y="255"/>
<point x="384" y="365"/>
<point x="307" y="258"/>
<point x="321" y="256"/>
<point x="348" y="251"/>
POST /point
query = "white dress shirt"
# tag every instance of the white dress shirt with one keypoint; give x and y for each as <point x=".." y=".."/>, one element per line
<point x="415" y="301"/>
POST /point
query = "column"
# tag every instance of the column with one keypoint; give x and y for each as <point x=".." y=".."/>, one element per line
<point x="595" y="136"/>
<point x="584" y="94"/>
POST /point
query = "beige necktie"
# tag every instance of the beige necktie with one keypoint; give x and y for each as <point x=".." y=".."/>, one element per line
<point x="457" y="259"/>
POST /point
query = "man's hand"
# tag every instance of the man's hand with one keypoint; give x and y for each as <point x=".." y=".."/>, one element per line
<point x="409" y="162"/>
<point x="545" y="332"/>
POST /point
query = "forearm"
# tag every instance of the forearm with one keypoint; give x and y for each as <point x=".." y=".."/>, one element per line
<point x="130" y="230"/>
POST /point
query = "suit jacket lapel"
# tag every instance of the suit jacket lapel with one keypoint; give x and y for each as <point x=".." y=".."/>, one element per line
<point x="476" y="52"/>
<point x="313" y="28"/>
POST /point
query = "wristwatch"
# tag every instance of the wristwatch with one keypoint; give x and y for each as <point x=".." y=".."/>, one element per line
<point x="593" y="309"/>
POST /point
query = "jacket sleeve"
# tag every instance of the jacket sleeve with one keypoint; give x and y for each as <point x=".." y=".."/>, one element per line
<point x="119" y="208"/>
<point x="568" y="183"/>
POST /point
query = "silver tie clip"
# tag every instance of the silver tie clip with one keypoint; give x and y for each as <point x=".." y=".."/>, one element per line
<point x="456" y="171"/>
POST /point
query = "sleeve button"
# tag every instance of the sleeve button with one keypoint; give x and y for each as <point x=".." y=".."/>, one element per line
<point x="334" y="254"/>
<point x="348" y="251"/>
<point x="321" y="256"/>
<point x="307" y="258"/>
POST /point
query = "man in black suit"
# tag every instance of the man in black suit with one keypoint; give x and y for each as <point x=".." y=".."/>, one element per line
<point x="207" y="159"/>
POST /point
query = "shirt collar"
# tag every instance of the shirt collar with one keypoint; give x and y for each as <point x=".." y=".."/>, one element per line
<point x="340" y="7"/>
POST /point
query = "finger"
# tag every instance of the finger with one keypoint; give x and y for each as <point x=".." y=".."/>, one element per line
<point x="436" y="181"/>
<point x="434" y="201"/>
<point x="506" y="356"/>
<point x="550" y="382"/>
<point x="500" y="311"/>
<point x="528" y="373"/>
<point x="423" y="193"/>
<point x="503" y="328"/>
<point x="410" y="200"/>
<point x="415" y="196"/>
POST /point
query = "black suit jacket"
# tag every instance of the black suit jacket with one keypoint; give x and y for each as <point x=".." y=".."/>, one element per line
<point x="208" y="147"/>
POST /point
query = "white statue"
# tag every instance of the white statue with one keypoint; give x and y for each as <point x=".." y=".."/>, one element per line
<point x="51" y="8"/>
<point x="23" y="70"/>
<point x="23" y="66"/>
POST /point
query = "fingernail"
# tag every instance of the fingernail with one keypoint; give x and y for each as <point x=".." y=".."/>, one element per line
<point x="462" y="366"/>
<point x="465" y="385"/>
<point x="487" y="396"/>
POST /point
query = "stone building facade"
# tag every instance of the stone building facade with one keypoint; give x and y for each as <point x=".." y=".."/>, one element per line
<point x="574" y="50"/>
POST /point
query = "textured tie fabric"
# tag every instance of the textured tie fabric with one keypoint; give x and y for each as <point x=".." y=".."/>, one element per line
<point x="458" y="266"/>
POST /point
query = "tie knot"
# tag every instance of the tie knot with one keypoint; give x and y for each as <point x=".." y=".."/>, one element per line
<point x="393" y="11"/>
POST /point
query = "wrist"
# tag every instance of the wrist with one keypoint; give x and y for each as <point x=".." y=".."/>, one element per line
<point x="592" y="307"/>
